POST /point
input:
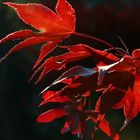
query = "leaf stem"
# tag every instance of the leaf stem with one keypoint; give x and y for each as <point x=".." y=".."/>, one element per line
<point x="98" y="40"/>
<point x="127" y="51"/>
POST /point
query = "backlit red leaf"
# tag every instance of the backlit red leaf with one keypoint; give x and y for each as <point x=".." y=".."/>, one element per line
<point x="45" y="50"/>
<point x="48" y="94"/>
<point x="18" y="35"/>
<point x="44" y="19"/>
<point x="67" y="14"/>
<point x="51" y="115"/>
<point x="59" y="62"/>
<point x="26" y="43"/>
<point x="65" y="128"/>
<point x="52" y="96"/>
<point x="97" y="55"/>
<point x="108" y="130"/>
<point x="36" y="15"/>
<point x="132" y="105"/>
<point x="136" y="56"/>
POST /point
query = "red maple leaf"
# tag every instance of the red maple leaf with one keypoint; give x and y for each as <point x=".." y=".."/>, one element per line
<point x="75" y="53"/>
<point x="77" y="115"/>
<point x="74" y="95"/>
<point x="53" y="27"/>
<point x="128" y="68"/>
<point x="117" y="79"/>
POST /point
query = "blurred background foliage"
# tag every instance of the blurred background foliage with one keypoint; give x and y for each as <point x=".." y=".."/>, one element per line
<point x="19" y="100"/>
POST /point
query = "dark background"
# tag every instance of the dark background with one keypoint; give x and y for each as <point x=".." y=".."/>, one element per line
<point x="19" y="100"/>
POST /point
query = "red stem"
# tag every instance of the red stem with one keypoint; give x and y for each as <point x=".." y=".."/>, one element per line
<point x="98" y="40"/>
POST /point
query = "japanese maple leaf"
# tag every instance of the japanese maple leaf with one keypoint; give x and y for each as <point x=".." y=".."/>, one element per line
<point x="76" y="92"/>
<point x="80" y="83"/>
<point x="75" y="53"/>
<point x="77" y="116"/>
<point x="131" y="101"/>
<point x="53" y="27"/>
<point x="70" y="107"/>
